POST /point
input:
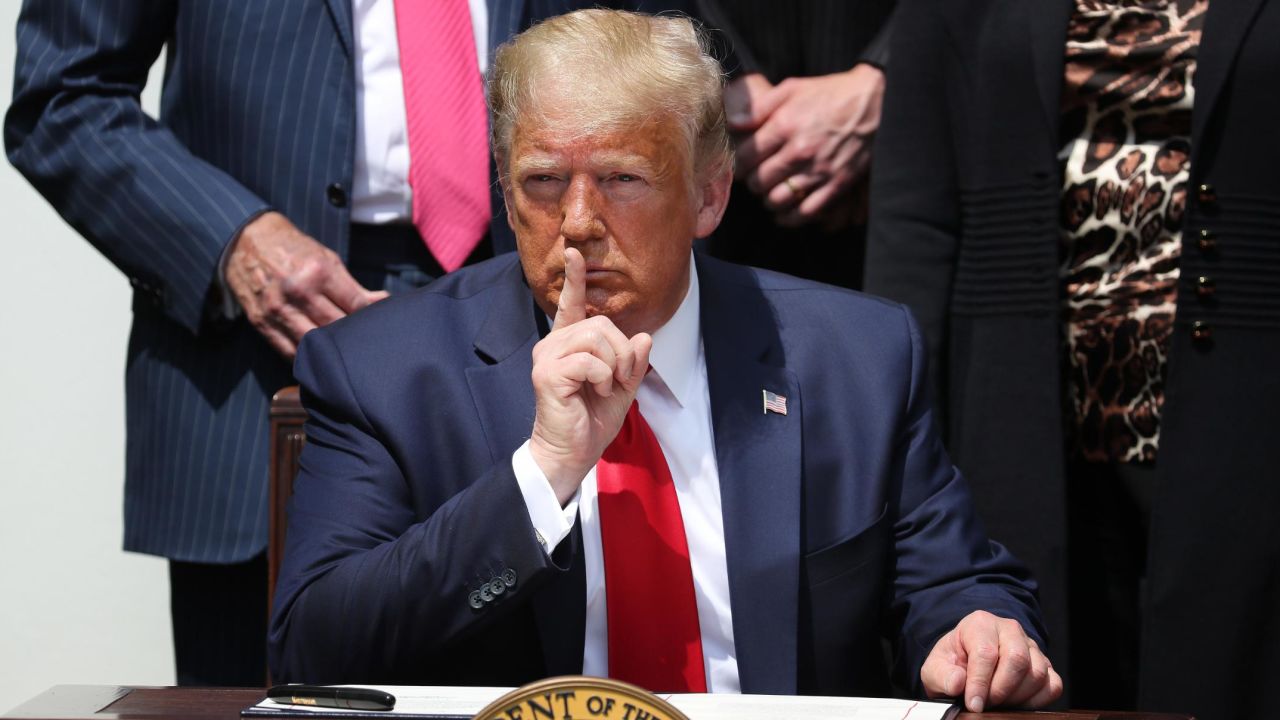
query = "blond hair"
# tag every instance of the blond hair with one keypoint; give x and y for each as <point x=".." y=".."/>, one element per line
<point x="602" y="71"/>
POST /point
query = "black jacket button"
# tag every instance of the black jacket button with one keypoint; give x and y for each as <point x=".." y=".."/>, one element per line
<point x="474" y="600"/>
<point x="1205" y="286"/>
<point x="509" y="577"/>
<point x="336" y="195"/>
<point x="1208" y="241"/>
<point x="1207" y="194"/>
<point x="1201" y="332"/>
<point x="496" y="587"/>
<point x="485" y="593"/>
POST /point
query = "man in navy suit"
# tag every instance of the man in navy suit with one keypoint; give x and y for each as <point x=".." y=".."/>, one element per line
<point x="270" y="196"/>
<point x="454" y="520"/>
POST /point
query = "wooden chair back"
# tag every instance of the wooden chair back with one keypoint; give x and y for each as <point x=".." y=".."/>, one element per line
<point x="287" y="439"/>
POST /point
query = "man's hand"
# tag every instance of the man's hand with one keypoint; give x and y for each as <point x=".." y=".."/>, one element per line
<point x="805" y="143"/>
<point x="288" y="283"/>
<point x="990" y="661"/>
<point x="585" y="377"/>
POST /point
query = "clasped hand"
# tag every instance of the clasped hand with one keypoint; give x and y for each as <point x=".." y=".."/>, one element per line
<point x="805" y="144"/>
<point x="585" y="376"/>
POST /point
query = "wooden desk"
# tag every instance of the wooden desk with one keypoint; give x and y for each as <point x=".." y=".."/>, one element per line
<point x="109" y="702"/>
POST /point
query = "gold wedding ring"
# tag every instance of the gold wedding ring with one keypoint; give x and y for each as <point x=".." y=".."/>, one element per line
<point x="795" y="191"/>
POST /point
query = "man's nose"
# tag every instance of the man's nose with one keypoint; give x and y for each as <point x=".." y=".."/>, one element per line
<point x="581" y="211"/>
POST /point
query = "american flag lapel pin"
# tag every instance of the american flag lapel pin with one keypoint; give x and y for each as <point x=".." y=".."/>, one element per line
<point x="773" y="402"/>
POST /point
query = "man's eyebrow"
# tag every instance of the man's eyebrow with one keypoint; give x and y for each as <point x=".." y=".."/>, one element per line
<point x="535" y="161"/>
<point x="620" y="157"/>
<point x="532" y="162"/>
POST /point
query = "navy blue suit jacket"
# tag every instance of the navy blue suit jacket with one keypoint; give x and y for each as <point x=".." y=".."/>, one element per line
<point x="258" y="113"/>
<point x="845" y="522"/>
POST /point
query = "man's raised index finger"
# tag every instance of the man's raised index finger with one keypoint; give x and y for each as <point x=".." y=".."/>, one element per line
<point x="572" y="306"/>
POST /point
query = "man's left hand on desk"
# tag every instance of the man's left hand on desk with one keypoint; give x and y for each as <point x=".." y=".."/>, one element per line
<point x="990" y="661"/>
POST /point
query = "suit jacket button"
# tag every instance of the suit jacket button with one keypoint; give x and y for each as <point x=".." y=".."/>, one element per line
<point x="1201" y="332"/>
<point x="509" y="577"/>
<point x="337" y="195"/>
<point x="1205" y="287"/>
<point x="485" y="593"/>
<point x="474" y="600"/>
<point x="1207" y="193"/>
<point x="496" y="587"/>
<point x="1208" y="241"/>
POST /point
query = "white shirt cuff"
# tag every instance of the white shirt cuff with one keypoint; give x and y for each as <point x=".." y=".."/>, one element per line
<point x="551" y="522"/>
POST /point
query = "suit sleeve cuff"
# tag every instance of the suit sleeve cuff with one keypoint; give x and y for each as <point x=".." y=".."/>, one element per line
<point x="876" y="53"/>
<point x="227" y="308"/>
<point x="551" y="522"/>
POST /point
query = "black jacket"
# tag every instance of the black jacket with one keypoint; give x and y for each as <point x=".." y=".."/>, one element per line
<point x="965" y="230"/>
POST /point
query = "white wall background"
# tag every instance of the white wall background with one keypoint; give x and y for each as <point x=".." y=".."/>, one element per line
<point x="74" y="608"/>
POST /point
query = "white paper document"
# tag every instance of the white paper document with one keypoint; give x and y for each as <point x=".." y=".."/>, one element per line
<point x="467" y="701"/>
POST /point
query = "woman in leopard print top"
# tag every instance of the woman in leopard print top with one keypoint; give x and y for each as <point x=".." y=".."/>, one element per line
<point x="1080" y="200"/>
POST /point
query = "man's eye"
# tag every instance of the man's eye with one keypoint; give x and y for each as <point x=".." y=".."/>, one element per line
<point x="624" y="177"/>
<point x="542" y="178"/>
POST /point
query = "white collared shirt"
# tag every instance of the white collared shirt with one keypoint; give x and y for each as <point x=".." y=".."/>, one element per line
<point x="675" y="401"/>
<point x="380" y="179"/>
<point x="380" y="184"/>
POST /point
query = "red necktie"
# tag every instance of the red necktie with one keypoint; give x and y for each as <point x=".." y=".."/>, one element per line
<point x="448" y="127"/>
<point x="654" y="640"/>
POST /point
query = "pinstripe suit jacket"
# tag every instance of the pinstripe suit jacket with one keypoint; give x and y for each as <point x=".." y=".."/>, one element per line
<point x="258" y="113"/>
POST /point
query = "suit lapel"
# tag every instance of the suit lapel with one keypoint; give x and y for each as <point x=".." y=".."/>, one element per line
<point x="759" y="458"/>
<point x="1224" y="32"/>
<point x="503" y="398"/>
<point x="500" y="387"/>
<point x="1047" y="36"/>
<point x="340" y="13"/>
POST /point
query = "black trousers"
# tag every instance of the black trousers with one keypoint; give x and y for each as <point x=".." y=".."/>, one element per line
<point x="220" y="611"/>
<point x="219" y="622"/>
<point x="1109" y="510"/>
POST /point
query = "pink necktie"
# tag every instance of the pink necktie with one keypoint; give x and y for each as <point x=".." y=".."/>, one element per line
<point x="448" y="127"/>
<point x="654" y="638"/>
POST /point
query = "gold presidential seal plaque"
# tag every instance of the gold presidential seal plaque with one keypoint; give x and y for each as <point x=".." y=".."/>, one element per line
<point x="576" y="697"/>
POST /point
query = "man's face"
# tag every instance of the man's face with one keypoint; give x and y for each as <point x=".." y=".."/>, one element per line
<point x="624" y="200"/>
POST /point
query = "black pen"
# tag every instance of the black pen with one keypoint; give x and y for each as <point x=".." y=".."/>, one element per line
<point x="348" y="698"/>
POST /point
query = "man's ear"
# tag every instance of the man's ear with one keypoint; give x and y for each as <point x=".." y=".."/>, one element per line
<point x="713" y="198"/>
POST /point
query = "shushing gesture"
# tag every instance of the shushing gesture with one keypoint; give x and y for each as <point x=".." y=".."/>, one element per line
<point x="585" y="376"/>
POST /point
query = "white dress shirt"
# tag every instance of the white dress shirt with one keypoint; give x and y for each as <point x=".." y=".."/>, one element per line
<point x="380" y="186"/>
<point x="380" y="180"/>
<point x="675" y="401"/>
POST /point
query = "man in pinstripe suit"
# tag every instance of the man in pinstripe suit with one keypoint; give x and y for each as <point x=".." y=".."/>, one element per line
<point x="237" y="217"/>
